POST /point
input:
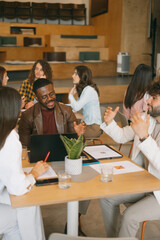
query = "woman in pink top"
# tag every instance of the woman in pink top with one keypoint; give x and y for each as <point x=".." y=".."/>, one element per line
<point x="135" y="95"/>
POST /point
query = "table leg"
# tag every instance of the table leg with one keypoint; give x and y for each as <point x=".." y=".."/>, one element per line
<point x="72" y="218"/>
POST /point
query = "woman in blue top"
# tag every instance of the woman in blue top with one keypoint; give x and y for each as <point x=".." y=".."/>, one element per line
<point x="88" y="100"/>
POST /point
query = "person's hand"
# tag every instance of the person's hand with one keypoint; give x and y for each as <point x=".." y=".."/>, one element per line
<point x="110" y="114"/>
<point x="40" y="168"/>
<point x="23" y="99"/>
<point x="80" y="128"/>
<point x="139" y="126"/>
<point x="29" y="104"/>
<point x="73" y="91"/>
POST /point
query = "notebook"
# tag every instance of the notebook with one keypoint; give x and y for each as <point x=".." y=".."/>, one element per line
<point x="40" y="145"/>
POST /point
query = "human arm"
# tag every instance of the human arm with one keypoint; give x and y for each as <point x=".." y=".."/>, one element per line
<point x="40" y="168"/>
<point x="11" y="173"/>
<point x="151" y="149"/>
<point x="23" y="90"/>
<point x="29" y="104"/>
<point x="119" y="135"/>
<point x="87" y="94"/>
<point x="26" y="91"/>
<point x="148" y="146"/>
<point x="73" y="91"/>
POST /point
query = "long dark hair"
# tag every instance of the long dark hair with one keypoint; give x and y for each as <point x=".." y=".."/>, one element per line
<point x="2" y="72"/>
<point x="45" y="67"/>
<point x="85" y="76"/>
<point x="138" y="86"/>
<point x="10" y="105"/>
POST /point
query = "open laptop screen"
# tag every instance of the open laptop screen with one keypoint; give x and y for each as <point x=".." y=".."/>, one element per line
<point x="40" y="145"/>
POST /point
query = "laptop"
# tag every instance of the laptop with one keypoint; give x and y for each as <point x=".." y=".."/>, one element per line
<point x="40" y="145"/>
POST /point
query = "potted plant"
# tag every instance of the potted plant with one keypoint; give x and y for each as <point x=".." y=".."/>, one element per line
<point x="74" y="148"/>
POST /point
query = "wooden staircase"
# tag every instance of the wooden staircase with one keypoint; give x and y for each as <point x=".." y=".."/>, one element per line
<point x="71" y="39"/>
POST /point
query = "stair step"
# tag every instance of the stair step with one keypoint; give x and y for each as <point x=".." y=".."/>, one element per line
<point x="56" y="40"/>
<point x="72" y="53"/>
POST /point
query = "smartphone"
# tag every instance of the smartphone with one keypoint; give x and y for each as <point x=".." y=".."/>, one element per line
<point x="90" y="161"/>
<point x="46" y="181"/>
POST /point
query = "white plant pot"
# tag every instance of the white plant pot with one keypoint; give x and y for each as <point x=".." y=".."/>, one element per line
<point x="73" y="166"/>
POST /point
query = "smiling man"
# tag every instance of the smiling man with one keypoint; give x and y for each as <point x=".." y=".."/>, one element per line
<point x="146" y="135"/>
<point x="47" y="116"/>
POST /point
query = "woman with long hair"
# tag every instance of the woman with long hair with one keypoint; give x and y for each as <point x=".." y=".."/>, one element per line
<point x="3" y="76"/>
<point x="88" y="100"/>
<point x="20" y="223"/>
<point x="136" y="94"/>
<point x="40" y="69"/>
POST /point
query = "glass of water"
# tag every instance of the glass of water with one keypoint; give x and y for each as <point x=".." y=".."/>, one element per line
<point x="24" y="153"/>
<point x="64" y="180"/>
<point x="106" y="174"/>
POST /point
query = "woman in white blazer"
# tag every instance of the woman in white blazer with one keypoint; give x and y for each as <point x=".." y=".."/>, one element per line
<point x="20" y="223"/>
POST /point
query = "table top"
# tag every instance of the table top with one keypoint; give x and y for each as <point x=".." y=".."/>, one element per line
<point x="128" y="183"/>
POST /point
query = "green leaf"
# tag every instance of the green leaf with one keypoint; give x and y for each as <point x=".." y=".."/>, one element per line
<point x="74" y="147"/>
<point x="76" y="150"/>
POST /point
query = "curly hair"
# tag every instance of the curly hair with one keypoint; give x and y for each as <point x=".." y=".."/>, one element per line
<point x="85" y="76"/>
<point x="45" y="67"/>
<point x="2" y="72"/>
<point x="154" y="88"/>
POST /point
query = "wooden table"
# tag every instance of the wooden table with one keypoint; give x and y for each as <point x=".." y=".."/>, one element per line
<point x="129" y="183"/>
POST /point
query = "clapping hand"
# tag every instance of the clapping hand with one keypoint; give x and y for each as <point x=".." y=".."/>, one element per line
<point x="110" y="114"/>
<point x="80" y="128"/>
<point x="139" y="126"/>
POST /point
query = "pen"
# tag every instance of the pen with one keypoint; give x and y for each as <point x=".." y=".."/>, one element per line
<point x="46" y="157"/>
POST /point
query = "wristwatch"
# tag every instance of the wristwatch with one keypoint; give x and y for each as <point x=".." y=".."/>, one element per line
<point x="143" y="139"/>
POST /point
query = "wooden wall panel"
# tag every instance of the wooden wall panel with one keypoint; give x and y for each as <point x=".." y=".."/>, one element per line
<point x="135" y="32"/>
<point x="44" y="29"/>
<point x="24" y="53"/>
<point x="109" y="25"/>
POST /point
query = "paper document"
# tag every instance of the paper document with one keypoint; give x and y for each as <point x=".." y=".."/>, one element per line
<point x="102" y="152"/>
<point x="119" y="167"/>
<point x="49" y="174"/>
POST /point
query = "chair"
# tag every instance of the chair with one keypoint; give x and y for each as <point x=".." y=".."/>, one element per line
<point x="143" y="228"/>
<point x="52" y="13"/>
<point x="79" y="14"/>
<point x="9" y="11"/>
<point x="38" y="12"/>
<point x="94" y="140"/>
<point x="65" y="13"/>
<point x="58" y="236"/>
<point x="23" y="12"/>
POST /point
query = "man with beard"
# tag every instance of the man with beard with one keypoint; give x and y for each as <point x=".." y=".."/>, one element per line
<point x="146" y="206"/>
<point x="47" y="116"/>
